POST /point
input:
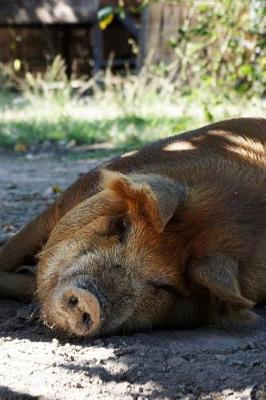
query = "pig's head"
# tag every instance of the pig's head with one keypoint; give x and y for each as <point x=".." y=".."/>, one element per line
<point x="116" y="262"/>
<point x="110" y="263"/>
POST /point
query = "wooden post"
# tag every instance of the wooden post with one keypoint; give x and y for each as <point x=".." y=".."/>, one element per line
<point x="160" y="23"/>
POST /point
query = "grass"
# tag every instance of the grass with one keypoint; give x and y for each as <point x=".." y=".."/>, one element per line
<point x="124" y="130"/>
<point x="85" y="121"/>
<point x="127" y="112"/>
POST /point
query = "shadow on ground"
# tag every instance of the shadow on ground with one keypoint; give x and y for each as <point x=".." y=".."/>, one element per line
<point x="8" y="394"/>
<point x="191" y="364"/>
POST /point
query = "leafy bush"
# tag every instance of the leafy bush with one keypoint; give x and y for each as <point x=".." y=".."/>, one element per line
<point x="222" y="44"/>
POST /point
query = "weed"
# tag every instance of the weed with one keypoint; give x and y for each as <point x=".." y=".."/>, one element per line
<point x="126" y="111"/>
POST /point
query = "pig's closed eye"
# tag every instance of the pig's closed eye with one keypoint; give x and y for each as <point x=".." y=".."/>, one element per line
<point x="168" y="287"/>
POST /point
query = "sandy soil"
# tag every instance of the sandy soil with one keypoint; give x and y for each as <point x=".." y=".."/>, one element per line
<point x="192" y="364"/>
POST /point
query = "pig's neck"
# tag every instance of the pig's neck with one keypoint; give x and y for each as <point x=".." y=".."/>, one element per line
<point x="206" y="224"/>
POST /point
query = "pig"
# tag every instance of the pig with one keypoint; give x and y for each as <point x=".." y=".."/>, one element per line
<point x="170" y="236"/>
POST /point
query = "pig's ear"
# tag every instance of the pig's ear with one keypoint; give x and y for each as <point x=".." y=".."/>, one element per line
<point x="219" y="274"/>
<point x="152" y="197"/>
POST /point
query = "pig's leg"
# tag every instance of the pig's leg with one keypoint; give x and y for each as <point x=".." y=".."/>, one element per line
<point x="21" y="249"/>
<point x="219" y="274"/>
<point x="17" y="285"/>
<point x="29" y="241"/>
<point x="24" y="246"/>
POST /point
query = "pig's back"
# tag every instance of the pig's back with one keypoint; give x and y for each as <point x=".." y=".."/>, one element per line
<point x="230" y="150"/>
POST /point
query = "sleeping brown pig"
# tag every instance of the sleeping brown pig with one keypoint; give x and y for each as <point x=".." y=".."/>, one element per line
<point x="173" y="235"/>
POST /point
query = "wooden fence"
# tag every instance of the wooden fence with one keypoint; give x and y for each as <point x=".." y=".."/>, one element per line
<point x="36" y="37"/>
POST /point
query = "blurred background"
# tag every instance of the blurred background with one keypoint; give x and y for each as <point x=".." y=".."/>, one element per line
<point x="112" y="75"/>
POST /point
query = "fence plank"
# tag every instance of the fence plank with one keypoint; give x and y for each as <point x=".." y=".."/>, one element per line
<point x="161" y="23"/>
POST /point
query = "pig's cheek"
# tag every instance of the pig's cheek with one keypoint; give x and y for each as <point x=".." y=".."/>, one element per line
<point x="52" y="314"/>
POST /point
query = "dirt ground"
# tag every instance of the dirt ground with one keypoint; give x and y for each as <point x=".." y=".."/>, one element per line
<point x="191" y="364"/>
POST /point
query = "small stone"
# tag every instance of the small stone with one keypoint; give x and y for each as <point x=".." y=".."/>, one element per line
<point x="256" y="363"/>
<point x="55" y="343"/>
<point x="48" y="192"/>
<point x="71" y="143"/>
<point x="237" y="363"/>
<point x="220" y="357"/>
<point x="11" y="186"/>
<point x="224" y="378"/>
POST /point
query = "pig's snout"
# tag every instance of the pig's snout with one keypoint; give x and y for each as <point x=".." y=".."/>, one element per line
<point x="81" y="310"/>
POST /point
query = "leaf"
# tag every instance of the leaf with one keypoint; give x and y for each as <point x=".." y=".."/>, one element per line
<point x="105" y="22"/>
<point x="245" y="70"/>
<point x="20" y="148"/>
<point x="57" y="189"/>
<point x="17" y="64"/>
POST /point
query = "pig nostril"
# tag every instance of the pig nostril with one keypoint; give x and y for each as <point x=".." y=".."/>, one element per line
<point x="72" y="301"/>
<point x="86" y="318"/>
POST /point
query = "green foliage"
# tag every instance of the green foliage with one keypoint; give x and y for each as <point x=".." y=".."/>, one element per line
<point x="221" y="44"/>
<point x="124" y="132"/>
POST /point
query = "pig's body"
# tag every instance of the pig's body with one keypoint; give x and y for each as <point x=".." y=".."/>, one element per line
<point x="223" y="170"/>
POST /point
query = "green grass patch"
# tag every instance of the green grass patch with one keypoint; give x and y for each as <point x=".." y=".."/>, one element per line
<point x="122" y="131"/>
<point x="129" y="115"/>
